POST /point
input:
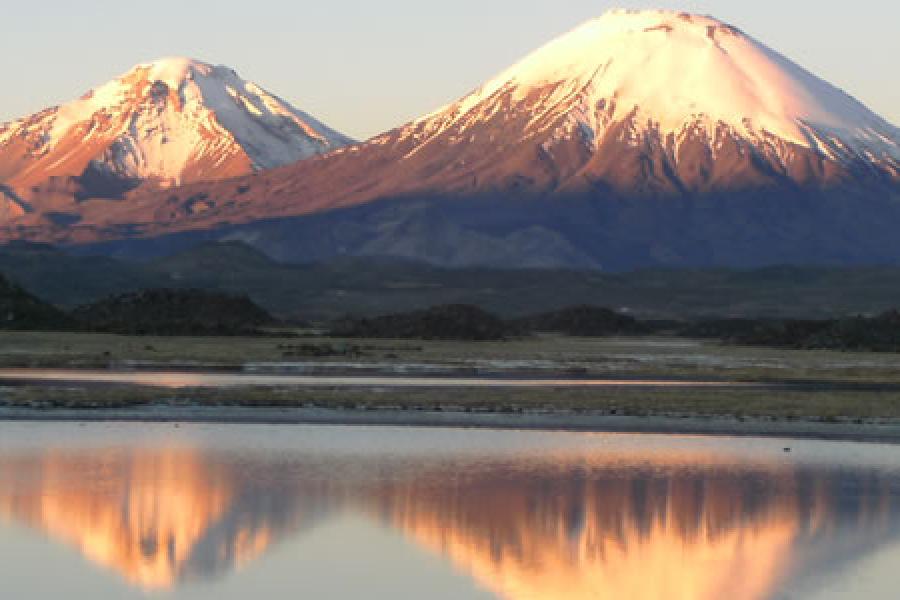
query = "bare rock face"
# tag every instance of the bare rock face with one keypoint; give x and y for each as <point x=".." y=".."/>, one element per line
<point x="639" y="138"/>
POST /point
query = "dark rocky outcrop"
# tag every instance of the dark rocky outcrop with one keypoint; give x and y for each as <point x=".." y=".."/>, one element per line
<point x="756" y="332"/>
<point x="587" y="321"/>
<point x="174" y="312"/>
<point x="873" y="334"/>
<point x="449" y="322"/>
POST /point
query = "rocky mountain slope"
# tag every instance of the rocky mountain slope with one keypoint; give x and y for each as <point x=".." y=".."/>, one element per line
<point x="639" y="138"/>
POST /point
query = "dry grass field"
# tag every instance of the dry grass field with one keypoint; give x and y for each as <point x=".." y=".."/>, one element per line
<point x="551" y="354"/>
<point x="832" y="397"/>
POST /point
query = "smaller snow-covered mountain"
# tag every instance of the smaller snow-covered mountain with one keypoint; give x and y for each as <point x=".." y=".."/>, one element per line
<point x="172" y="121"/>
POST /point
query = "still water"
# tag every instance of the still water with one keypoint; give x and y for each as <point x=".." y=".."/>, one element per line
<point x="212" y="511"/>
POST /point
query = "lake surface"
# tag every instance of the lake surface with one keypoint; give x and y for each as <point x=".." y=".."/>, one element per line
<point x="236" y="511"/>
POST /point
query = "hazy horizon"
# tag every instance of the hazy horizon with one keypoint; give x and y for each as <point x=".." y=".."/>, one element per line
<point x="376" y="66"/>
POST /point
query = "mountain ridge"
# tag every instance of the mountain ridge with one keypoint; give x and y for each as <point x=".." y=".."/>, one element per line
<point x="371" y="286"/>
<point x="725" y="153"/>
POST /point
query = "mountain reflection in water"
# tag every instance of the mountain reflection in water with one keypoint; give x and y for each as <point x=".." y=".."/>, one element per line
<point x="578" y="525"/>
<point x="157" y="517"/>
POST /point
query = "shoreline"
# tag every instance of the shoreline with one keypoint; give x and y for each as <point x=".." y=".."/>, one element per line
<point x="882" y="431"/>
<point x="163" y="377"/>
<point x="173" y="379"/>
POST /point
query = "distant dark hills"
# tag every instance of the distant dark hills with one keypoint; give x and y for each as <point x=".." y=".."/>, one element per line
<point x="20" y="310"/>
<point x="362" y="287"/>
<point x="68" y="280"/>
<point x="155" y="311"/>
<point x="186" y="312"/>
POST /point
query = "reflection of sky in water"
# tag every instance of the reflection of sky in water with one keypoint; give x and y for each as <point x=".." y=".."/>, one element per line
<point x="206" y="511"/>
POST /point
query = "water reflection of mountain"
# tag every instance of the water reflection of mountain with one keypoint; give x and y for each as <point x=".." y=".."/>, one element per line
<point x="158" y="518"/>
<point x="676" y="533"/>
<point x="626" y="526"/>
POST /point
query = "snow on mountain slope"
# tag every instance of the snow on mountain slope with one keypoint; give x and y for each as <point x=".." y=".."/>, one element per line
<point x="175" y="121"/>
<point x="668" y="75"/>
<point x="639" y="138"/>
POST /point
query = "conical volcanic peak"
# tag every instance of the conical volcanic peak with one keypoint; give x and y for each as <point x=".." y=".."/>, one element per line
<point x="175" y="120"/>
<point x="671" y="71"/>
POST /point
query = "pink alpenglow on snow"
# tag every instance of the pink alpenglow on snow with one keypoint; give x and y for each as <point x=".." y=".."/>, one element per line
<point x="175" y="121"/>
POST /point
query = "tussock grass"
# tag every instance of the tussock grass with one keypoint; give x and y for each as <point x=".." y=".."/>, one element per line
<point x="810" y="405"/>
<point x="599" y="357"/>
<point x="633" y="357"/>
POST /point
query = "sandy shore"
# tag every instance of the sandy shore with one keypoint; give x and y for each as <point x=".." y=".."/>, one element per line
<point x="886" y="431"/>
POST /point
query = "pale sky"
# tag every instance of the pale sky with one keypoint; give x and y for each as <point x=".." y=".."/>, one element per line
<point x="365" y="66"/>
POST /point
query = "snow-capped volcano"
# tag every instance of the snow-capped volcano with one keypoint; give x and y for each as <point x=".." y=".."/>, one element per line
<point x="678" y="88"/>
<point x="174" y="121"/>
<point x="667" y="71"/>
<point x="639" y="138"/>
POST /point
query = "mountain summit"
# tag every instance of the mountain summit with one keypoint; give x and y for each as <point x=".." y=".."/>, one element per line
<point x="666" y="102"/>
<point x="668" y="72"/>
<point x="172" y="121"/>
<point x="638" y="139"/>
